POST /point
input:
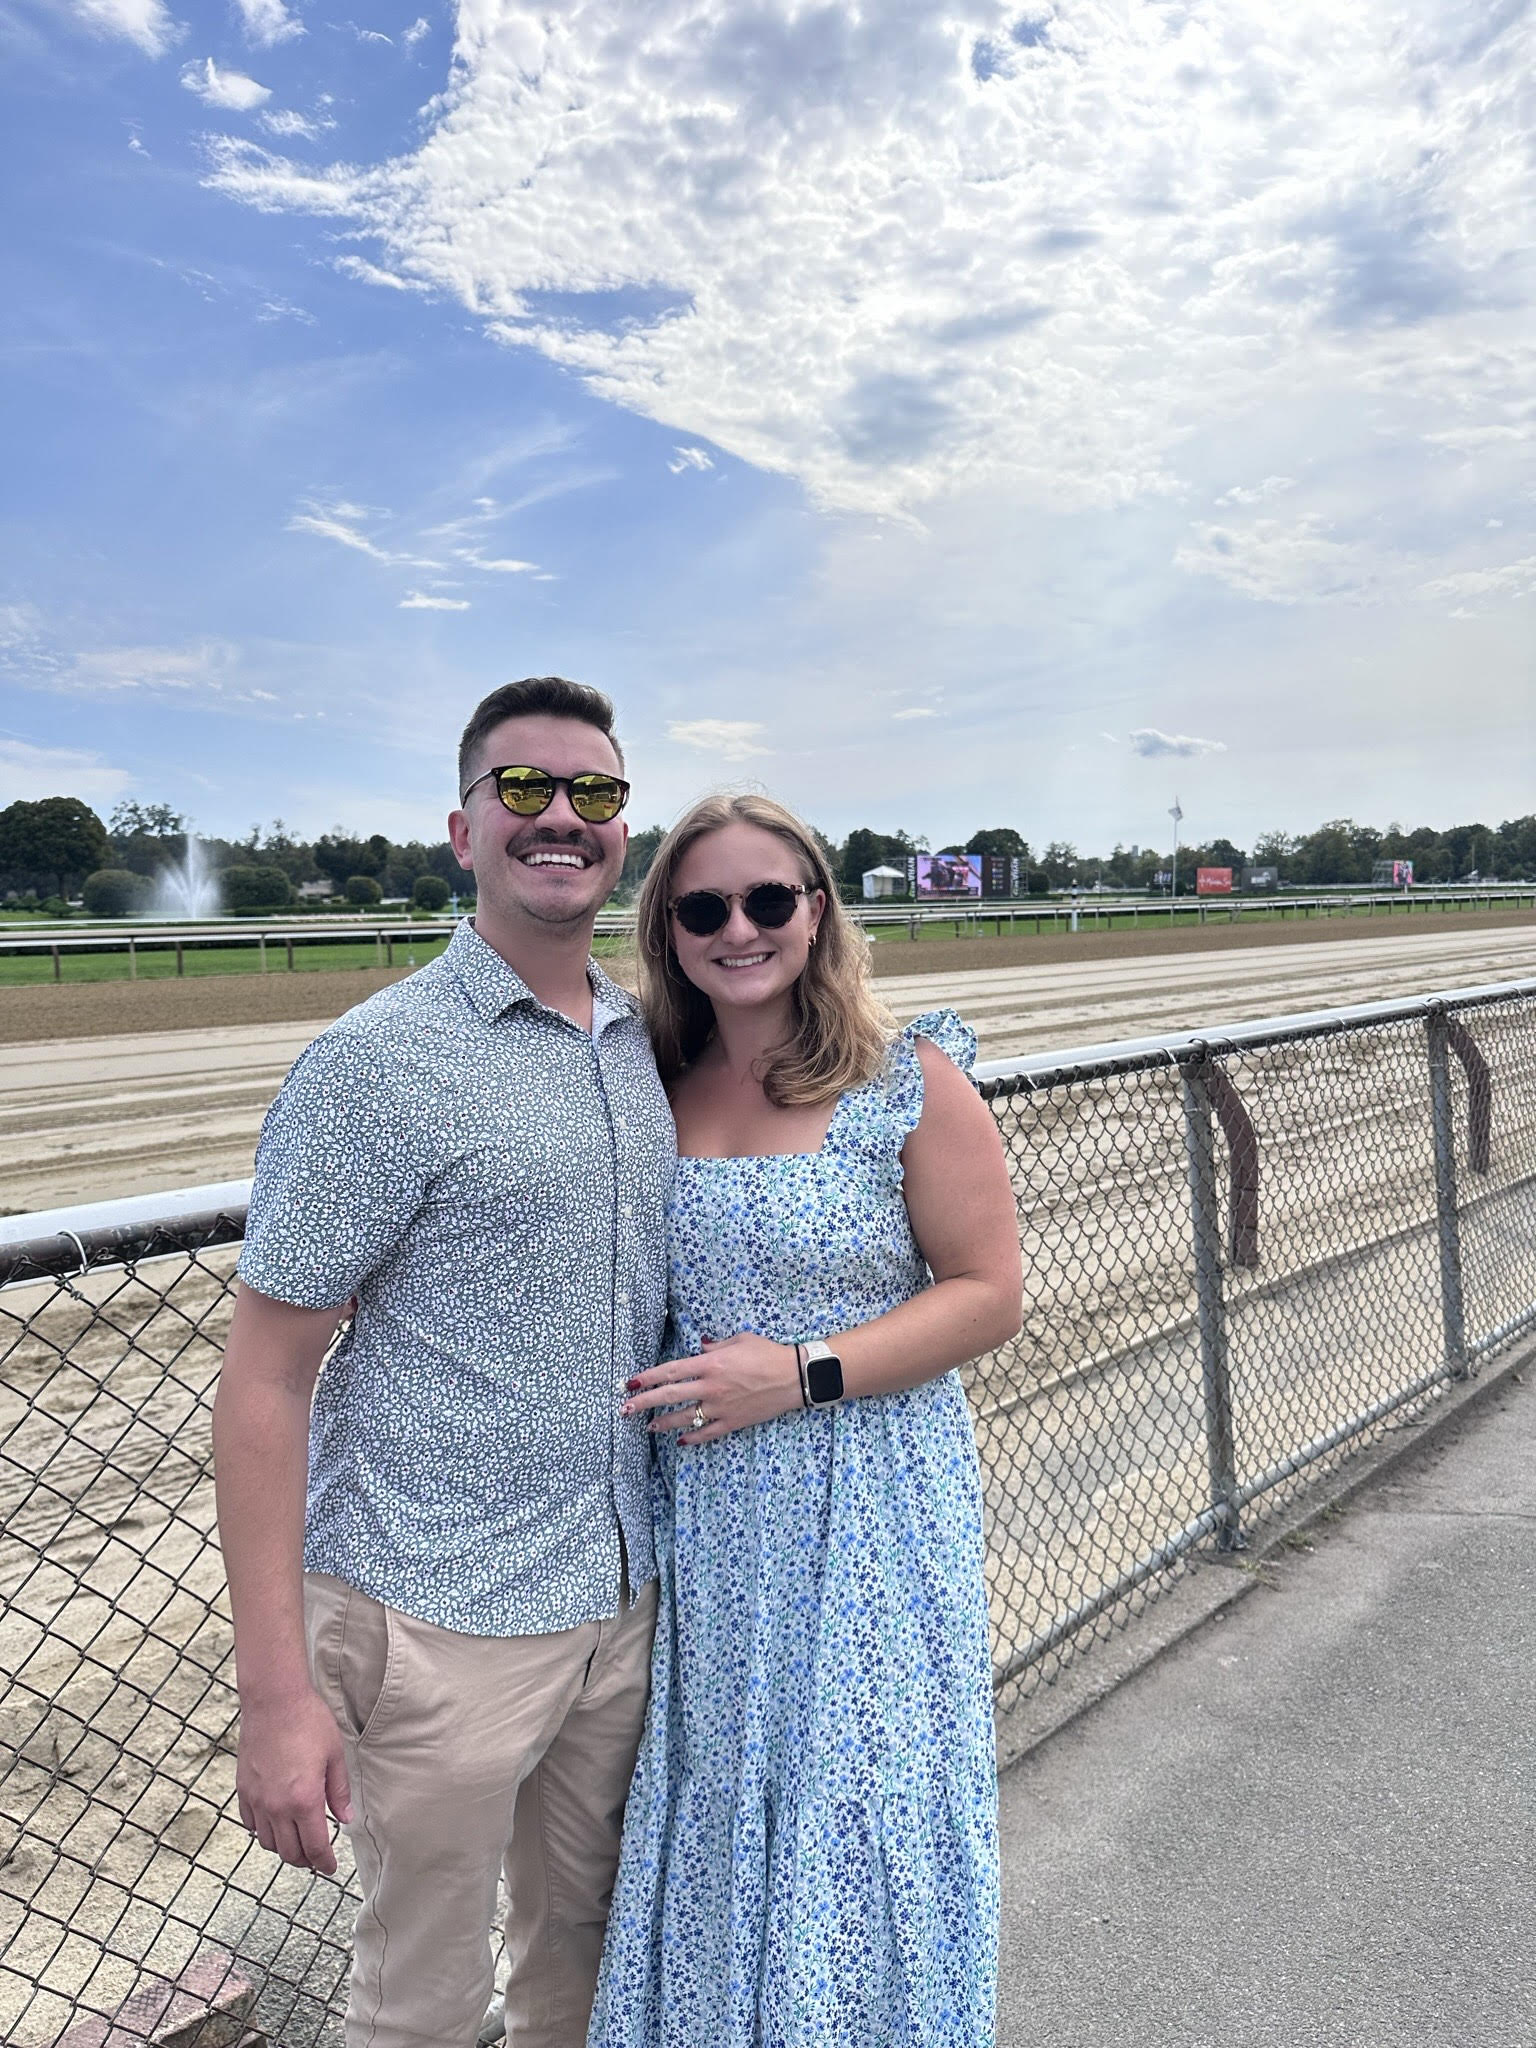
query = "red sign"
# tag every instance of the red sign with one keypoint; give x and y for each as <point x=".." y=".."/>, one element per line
<point x="1213" y="881"/>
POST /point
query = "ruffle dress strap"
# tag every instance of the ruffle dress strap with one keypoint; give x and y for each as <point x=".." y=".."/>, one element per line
<point x="904" y="1074"/>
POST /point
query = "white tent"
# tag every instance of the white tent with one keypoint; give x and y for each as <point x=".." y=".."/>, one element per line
<point x="883" y="882"/>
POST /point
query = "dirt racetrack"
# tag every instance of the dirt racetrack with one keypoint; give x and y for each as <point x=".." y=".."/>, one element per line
<point x="125" y="1088"/>
<point x="101" y="1009"/>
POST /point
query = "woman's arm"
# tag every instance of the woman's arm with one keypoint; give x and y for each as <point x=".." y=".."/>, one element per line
<point x="960" y="1201"/>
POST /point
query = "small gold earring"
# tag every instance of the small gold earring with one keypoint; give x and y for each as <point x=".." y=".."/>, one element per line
<point x="813" y="938"/>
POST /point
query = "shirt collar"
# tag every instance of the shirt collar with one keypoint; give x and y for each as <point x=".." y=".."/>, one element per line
<point x="494" y="988"/>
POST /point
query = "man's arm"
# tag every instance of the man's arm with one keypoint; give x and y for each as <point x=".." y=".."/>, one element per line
<point x="291" y="1765"/>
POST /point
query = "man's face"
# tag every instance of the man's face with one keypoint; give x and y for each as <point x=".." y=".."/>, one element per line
<point x="555" y="869"/>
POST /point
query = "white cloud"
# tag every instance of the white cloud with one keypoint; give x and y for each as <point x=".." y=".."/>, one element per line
<point x="503" y="565"/>
<point x="733" y="739"/>
<point x="205" y="670"/>
<point x="231" y="90"/>
<point x="690" y="458"/>
<point x="411" y="36"/>
<point x="916" y="711"/>
<point x="902" y="251"/>
<point x="1277" y="563"/>
<point x="287" y="122"/>
<point x="146" y="22"/>
<point x="332" y="525"/>
<point x="370" y="273"/>
<point x="340" y="523"/>
<point x="29" y="773"/>
<point x="1152" y="743"/>
<point x="1257" y="494"/>
<point x="267" y="22"/>
<point x="422" y="601"/>
<point x="1512" y="579"/>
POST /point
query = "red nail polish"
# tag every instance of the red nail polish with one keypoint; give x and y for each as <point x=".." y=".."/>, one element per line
<point x="631" y="1386"/>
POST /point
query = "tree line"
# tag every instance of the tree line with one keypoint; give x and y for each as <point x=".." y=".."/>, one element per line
<point x="57" y="849"/>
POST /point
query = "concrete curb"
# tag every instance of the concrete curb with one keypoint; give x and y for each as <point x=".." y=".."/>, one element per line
<point x="1212" y="1584"/>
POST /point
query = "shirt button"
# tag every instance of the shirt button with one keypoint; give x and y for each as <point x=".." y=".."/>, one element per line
<point x="623" y="1300"/>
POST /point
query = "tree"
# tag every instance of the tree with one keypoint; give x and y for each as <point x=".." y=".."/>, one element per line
<point x="52" y="844"/>
<point x="341" y="857"/>
<point x="638" y="855"/>
<point x="148" y="837"/>
<point x="864" y="849"/>
<point x="1060" y="863"/>
<point x="112" y="892"/>
<point x="152" y="821"/>
<point x="363" y="889"/>
<point x="257" y="887"/>
<point x="999" y="839"/>
<point x="442" y="860"/>
<point x="430" y="893"/>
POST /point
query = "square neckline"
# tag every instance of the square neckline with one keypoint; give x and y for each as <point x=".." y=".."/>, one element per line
<point x="716" y="1157"/>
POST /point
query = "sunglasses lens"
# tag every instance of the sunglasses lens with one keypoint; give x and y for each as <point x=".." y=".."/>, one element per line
<point x="701" y="912"/>
<point x="527" y="791"/>
<point x="770" y="905"/>
<point x="598" y="798"/>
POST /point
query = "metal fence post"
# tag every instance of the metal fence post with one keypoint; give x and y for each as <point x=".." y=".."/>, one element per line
<point x="1447" y="1218"/>
<point x="1205" y="1224"/>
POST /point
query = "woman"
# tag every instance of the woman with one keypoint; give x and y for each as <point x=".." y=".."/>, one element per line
<point x="810" y="1845"/>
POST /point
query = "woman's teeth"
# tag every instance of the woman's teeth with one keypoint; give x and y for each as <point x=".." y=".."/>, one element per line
<point x="744" y="959"/>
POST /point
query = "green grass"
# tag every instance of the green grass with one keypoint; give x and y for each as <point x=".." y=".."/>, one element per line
<point x="1054" y="920"/>
<point x="158" y="963"/>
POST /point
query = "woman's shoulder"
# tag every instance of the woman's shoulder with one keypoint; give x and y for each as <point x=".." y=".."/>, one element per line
<point x="946" y="1029"/>
<point x="895" y="1096"/>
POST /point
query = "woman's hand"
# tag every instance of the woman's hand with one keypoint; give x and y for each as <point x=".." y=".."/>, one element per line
<point x="736" y="1381"/>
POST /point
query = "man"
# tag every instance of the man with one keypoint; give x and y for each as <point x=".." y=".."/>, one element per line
<point x="449" y="1645"/>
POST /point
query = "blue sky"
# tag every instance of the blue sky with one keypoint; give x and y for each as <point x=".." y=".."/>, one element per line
<point x="1012" y="414"/>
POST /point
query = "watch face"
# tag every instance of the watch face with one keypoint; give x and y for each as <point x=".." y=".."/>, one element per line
<point x="824" y="1380"/>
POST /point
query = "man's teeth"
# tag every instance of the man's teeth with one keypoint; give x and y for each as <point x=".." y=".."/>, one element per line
<point x="553" y="860"/>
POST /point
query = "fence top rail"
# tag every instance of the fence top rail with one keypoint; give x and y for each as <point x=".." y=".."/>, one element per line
<point x="1040" y="1070"/>
<point x="66" y="1241"/>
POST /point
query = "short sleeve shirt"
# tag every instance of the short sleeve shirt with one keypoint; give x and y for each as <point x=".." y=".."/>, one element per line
<point x="490" y="1181"/>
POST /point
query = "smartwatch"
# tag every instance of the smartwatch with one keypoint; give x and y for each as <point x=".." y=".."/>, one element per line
<point x="821" y="1375"/>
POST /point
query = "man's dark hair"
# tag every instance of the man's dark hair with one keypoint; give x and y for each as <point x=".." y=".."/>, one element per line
<point x="536" y="697"/>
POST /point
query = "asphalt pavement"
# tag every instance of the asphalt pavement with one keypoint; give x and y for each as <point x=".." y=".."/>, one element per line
<point x="1312" y="1823"/>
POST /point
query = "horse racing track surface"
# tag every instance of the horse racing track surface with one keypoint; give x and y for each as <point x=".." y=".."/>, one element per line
<point x="90" y="1117"/>
<point x="1207" y="1312"/>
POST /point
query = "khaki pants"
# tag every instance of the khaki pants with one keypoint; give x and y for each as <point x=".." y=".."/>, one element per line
<point x="472" y="1757"/>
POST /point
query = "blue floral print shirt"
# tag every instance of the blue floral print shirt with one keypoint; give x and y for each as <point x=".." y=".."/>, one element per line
<point x="490" y="1181"/>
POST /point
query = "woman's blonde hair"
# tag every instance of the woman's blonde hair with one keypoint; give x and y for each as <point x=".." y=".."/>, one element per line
<point x="841" y="1029"/>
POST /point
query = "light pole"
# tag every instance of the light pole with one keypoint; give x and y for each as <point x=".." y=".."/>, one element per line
<point x="1173" y="895"/>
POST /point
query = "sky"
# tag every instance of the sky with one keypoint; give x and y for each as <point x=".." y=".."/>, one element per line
<point x="942" y="417"/>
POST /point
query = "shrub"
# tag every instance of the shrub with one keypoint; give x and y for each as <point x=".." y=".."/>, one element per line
<point x="430" y="893"/>
<point x="112" y="892"/>
<point x="1038" y="884"/>
<point x="363" y="889"/>
<point x="256" y="888"/>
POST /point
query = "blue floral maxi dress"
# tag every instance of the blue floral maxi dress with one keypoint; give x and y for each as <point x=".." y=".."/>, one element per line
<point x="810" y="1845"/>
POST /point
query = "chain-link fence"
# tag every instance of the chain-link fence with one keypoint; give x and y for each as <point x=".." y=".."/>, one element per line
<point x="1242" y="1259"/>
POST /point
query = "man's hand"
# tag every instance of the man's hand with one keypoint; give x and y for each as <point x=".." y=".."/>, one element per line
<point x="736" y="1381"/>
<point x="291" y="1769"/>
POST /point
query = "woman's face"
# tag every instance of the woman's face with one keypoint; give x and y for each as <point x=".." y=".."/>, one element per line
<point x="743" y="964"/>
